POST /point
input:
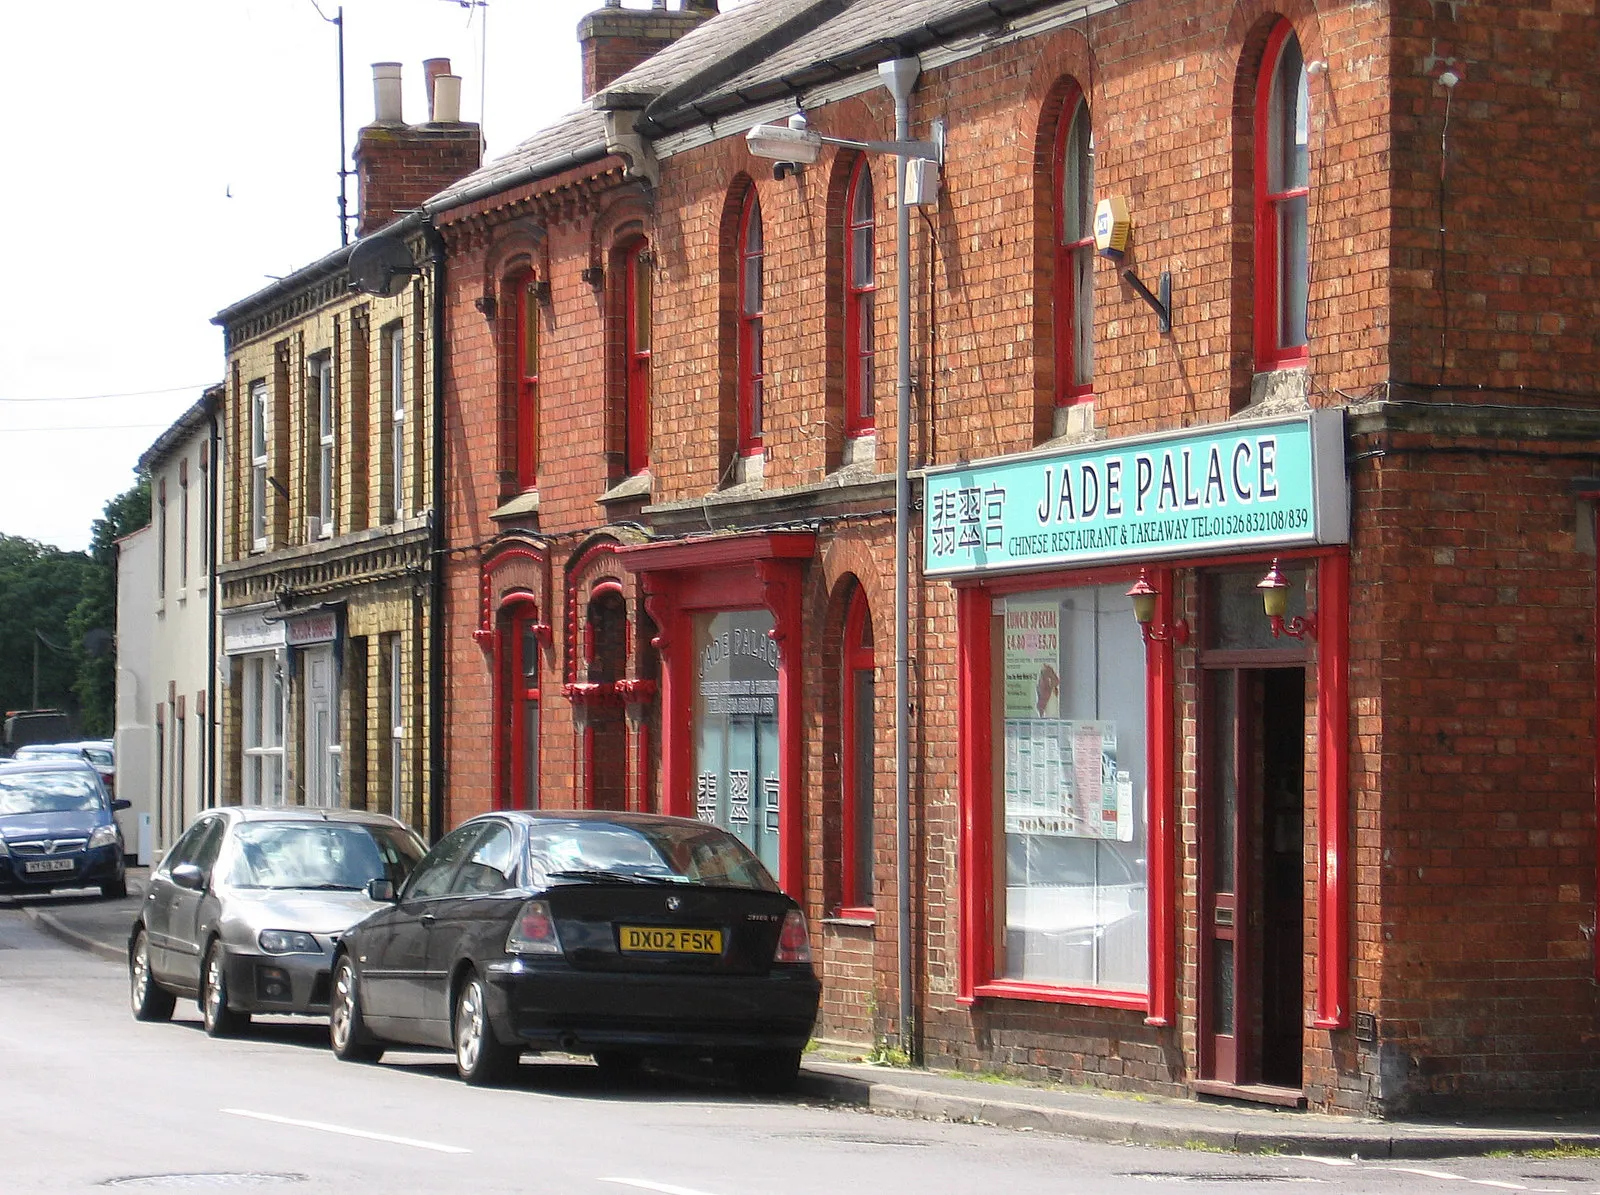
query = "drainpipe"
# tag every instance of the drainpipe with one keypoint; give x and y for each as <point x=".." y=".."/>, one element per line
<point x="213" y="554"/>
<point x="900" y="76"/>
<point x="436" y="541"/>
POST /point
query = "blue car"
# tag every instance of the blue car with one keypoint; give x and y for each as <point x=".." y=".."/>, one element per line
<point x="56" y="829"/>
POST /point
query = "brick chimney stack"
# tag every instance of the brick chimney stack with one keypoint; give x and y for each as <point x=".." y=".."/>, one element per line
<point x="398" y="165"/>
<point x="617" y="39"/>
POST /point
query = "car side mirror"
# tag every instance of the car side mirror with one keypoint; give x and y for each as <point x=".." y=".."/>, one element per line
<point x="381" y="891"/>
<point x="187" y="875"/>
<point x="119" y="803"/>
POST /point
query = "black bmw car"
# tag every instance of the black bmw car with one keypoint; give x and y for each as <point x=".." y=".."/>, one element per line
<point x="621" y="935"/>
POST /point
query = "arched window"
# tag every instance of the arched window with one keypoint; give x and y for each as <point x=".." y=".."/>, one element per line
<point x="860" y="284"/>
<point x="518" y="644"/>
<point x="858" y="760"/>
<point x="526" y="372"/>
<point x="635" y="261"/>
<point x="1073" y="301"/>
<point x="605" y="722"/>
<point x="751" y="303"/>
<point x="1282" y="189"/>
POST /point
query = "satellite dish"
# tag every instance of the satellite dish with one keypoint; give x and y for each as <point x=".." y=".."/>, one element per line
<point x="380" y="265"/>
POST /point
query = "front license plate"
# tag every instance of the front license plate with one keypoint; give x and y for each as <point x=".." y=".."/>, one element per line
<point x="670" y="940"/>
<point x="37" y="865"/>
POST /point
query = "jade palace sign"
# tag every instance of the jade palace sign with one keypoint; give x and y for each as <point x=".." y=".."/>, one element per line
<point x="1228" y="487"/>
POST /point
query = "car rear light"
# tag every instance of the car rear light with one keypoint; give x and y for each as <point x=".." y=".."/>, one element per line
<point x="534" y="931"/>
<point x="794" y="943"/>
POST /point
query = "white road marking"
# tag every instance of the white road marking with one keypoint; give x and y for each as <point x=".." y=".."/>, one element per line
<point x="347" y="1132"/>
<point x="1448" y="1177"/>
<point x="646" y="1185"/>
<point x="1326" y="1161"/>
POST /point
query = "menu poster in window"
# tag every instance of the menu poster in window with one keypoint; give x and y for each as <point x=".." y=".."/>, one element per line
<point x="1062" y="779"/>
<point x="1033" y="657"/>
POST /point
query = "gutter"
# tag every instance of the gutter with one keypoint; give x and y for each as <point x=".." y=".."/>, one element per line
<point x="505" y="182"/>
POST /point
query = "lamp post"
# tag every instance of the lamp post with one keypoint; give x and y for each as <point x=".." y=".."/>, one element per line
<point x="795" y="143"/>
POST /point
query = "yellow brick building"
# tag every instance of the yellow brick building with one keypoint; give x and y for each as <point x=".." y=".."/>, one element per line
<point x="326" y="585"/>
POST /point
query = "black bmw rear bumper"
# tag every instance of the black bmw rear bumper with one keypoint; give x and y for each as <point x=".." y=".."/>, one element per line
<point x="578" y="1011"/>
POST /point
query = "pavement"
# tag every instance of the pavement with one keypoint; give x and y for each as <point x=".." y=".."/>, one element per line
<point x="831" y="1075"/>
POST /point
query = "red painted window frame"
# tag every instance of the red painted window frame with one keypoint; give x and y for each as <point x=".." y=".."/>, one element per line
<point x="1271" y="353"/>
<point x="860" y="404"/>
<point x="526" y="365"/>
<point x="1065" y="299"/>
<point x="975" y="758"/>
<point x="751" y="372"/>
<point x="604" y="587"/>
<point x="856" y="658"/>
<point x="518" y="620"/>
<point x="636" y="355"/>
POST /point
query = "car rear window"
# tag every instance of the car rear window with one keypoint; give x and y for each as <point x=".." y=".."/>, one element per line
<point x="330" y="855"/>
<point x="54" y="791"/>
<point x="664" y="853"/>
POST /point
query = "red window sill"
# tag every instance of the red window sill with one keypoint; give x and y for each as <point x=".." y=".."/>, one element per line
<point x="1077" y="397"/>
<point x="866" y="916"/>
<point x="1010" y="989"/>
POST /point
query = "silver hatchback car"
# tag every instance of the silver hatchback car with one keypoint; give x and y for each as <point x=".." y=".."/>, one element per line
<point x="244" y="912"/>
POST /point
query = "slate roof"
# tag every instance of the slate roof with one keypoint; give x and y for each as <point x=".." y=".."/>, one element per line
<point x="758" y="51"/>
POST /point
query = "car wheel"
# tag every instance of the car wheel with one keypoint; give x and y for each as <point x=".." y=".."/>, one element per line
<point x="352" y="1041"/>
<point x="619" y="1065"/>
<point x="481" y="1058"/>
<point x="768" y="1072"/>
<point x="219" y="1019"/>
<point x="151" y="1001"/>
<point x="116" y="889"/>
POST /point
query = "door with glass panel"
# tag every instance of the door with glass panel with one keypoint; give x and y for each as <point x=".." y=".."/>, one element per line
<point x="321" y="740"/>
<point x="736" y="728"/>
<point x="1253" y="719"/>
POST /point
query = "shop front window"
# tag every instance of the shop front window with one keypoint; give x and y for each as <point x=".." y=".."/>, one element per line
<point x="736" y="728"/>
<point x="1069" y="705"/>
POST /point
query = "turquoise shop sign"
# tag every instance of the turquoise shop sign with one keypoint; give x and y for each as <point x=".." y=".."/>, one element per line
<point x="1228" y="487"/>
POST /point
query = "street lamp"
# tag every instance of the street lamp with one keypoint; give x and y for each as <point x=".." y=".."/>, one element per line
<point x="795" y="142"/>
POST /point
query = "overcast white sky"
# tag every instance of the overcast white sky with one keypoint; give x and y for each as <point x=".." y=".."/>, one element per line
<point x="168" y="158"/>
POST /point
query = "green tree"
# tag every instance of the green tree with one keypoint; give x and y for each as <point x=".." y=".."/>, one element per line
<point x="39" y="587"/>
<point x="92" y="625"/>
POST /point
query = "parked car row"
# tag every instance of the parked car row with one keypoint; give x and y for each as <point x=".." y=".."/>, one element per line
<point x="622" y="935"/>
<point x="98" y="752"/>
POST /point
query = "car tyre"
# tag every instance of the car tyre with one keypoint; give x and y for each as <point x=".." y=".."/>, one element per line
<point x="151" y="1001"/>
<point x="768" y="1072"/>
<point x="481" y="1058"/>
<point x="218" y="1018"/>
<point x="352" y="1041"/>
<point x="116" y="889"/>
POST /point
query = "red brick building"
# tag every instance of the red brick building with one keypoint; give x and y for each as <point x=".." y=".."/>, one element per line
<point x="1210" y="304"/>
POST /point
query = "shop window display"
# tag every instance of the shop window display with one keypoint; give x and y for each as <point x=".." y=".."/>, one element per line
<point x="1069" y="707"/>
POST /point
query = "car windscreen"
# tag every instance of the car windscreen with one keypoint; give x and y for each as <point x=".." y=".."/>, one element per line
<point x="327" y="855"/>
<point x="54" y="791"/>
<point x="99" y="756"/>
<point x="645" y="853"/>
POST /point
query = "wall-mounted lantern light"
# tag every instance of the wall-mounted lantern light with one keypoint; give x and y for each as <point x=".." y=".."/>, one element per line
<point x="1274" y="589"/>
<point x="1144" y="597"/>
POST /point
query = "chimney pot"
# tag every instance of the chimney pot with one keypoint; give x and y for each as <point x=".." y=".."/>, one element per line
<point x="386" y="93"/>
<point x="447" y="99"/>
<point x="432" y="68"/>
